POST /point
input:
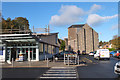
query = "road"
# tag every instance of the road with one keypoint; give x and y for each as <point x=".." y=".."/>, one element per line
<point x="94" y="69"/>
<point x="97" y="68"/>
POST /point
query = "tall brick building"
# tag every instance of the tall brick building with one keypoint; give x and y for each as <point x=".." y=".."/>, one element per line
<point x="82" y="37"/>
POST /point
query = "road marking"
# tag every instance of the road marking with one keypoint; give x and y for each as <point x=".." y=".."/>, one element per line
<point x="60" y="73"/>
<point x="61" y="70"/>
<point x="58" y="77"/>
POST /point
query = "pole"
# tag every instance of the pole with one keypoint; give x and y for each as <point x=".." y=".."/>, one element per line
<point x="12" y="62"/>
<point x="47" y="62"/>
<point x="78" y="60"/>
<point x="45" y="57"/>
<point x="30" y="62"/>
<point x="75" y="60"/>
<point x="64" y="58"/>
<point x="68" y="60"/>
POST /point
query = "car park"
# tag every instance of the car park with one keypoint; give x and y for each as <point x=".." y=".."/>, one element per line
<point x="102" y="54"/>
<point x="117" y="68"/>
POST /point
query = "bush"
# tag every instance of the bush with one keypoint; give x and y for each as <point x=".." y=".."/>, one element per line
<point x="111" y="49"/>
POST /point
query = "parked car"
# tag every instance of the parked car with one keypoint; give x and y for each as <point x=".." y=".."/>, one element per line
<point x="102" y="54"/>
<point x="112" y="53"/>
<point x="91" y="53"/>
<point x="117" y="54"/>
<point x="61" y="54"/>
<point x="83" y="52"/>
<point x="117" y="68"/>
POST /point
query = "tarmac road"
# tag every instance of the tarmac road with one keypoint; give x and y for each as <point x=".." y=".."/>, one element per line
<point x="94" y="70"/>
<point x="98" y="68"/>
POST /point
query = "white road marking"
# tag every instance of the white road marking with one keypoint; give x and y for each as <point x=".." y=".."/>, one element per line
<point x="58" y="77"/>
<point x="60" y="73"/>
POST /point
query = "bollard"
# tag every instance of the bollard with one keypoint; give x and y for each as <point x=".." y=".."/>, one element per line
<point x="45" y="57"/>
<point x="30" y="62"/>
<point x="12" y="62"/>
<point x="75" y="60"/>
<point x="68" y="60"/>
<point x="53" y="58"/>
<point x="78" y="60"/>
<point x="64" y="58"/>
<point x="47" y="62"/>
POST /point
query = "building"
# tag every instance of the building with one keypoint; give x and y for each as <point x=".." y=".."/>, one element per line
<point x="34" y="47"/>
<point x="106" y="46"/>
<point x="82" y="37"/>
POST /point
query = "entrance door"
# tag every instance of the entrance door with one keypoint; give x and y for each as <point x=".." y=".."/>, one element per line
<point x="13" y="54"/>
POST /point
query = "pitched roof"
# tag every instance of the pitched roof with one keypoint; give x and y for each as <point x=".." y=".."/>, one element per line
<point x="75" y="26"/>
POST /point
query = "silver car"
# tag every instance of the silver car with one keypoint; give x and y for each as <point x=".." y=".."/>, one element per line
<point x="117" y="68"/>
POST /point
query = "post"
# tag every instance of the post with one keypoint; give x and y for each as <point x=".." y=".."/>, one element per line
<point x="64" y="58"/>
<point x="68" y="60"/>
<point x="53" y="58"/>
<point x="30" y="62"/>
<point x="12" y="62"/>
<point x="45" y="57"/>
<point x="47" y="62"/>
<point x="78" y="60"/>
<point x="75" y="60"/>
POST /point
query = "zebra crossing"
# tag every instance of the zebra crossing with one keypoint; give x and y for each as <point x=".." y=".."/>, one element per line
<point x="60" y="73"/>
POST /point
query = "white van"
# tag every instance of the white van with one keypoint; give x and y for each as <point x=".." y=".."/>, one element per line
<point x="102" y="54"/>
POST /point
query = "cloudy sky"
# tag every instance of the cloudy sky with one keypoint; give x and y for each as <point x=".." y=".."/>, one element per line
<point x="101" y="16"/>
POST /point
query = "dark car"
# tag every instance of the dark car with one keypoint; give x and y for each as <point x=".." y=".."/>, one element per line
<point x="83" y="52"/>
<point x="61" y="54"/>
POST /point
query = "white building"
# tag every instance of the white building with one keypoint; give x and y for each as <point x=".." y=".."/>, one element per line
<point x="33" y="46"/>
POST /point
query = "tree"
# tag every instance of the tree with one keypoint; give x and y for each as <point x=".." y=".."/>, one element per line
<point x="62" y="45"/>
<point x="19" y="23"/>
<point x="100" y="43"/>
<point x="116" y="42"/>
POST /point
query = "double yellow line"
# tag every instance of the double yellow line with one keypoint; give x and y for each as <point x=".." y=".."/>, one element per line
<point x="88" y="60"/>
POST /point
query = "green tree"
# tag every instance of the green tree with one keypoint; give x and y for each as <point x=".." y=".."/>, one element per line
<point x="62" y="45"/>
<point x="100" y="43"/>
<point x="116" y="42"/>
<point x="17" y="23"/>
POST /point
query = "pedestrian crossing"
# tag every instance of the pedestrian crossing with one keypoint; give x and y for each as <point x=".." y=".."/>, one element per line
<point x="60" y="73"/>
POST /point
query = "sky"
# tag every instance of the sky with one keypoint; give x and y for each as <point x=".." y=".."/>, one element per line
<point x="101" y="16"/>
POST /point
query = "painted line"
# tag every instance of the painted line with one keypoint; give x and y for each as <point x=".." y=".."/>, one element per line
<point x="59" y="74"/>
<point x="58" y="77"/>
<point x="61" y="70"/>
<point x="64" y="67"/>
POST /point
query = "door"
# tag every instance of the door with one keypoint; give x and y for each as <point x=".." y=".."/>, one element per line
<point x="13" y="54"/>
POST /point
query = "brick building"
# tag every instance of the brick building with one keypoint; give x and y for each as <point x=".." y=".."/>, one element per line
<point x="82" y="37"/>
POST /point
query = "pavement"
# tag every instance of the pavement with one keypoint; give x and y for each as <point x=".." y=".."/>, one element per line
<point x="92" y="69"/>
<point x="38" y="64"/>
